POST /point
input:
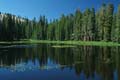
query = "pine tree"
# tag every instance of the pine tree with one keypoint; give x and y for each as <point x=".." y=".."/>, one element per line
<point x="118" y="24"/>
<point x="101" y="22"/>
<point x="77" y="26"/>
<point x="86" y="28"/>
<point x="93" y="29"/>
<point x="108" y="22"/>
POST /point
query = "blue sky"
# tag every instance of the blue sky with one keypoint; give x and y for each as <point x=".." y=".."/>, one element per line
<point x="50" y="8"/>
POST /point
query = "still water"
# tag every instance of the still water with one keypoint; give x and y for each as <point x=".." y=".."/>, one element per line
<point x="44" y="62"/>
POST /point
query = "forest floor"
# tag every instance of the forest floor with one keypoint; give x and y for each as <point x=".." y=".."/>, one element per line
<point x="85" y="43"/>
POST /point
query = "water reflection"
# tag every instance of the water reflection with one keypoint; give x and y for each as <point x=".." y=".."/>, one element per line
<point x="86" y="62"/>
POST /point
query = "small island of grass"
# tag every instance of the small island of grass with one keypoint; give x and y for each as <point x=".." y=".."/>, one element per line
<point x="65" y="43"/>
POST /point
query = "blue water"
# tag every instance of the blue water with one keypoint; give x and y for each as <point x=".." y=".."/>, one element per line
<point x="47" y="63"/>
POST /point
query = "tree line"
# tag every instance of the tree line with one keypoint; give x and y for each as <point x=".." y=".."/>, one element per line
<point x="90" y="25"/>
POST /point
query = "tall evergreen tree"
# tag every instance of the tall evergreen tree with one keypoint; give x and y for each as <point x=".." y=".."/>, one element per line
<point x="77" y="27"/>
<point x="85" y="25"/>
<point x="101" y="22"/>
<point x="118" y="24"/>
<point x="108" y="22"/>
<point x="93" y="29"/>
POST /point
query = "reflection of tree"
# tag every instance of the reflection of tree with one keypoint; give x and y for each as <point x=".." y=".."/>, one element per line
<point x="102" y="60"/>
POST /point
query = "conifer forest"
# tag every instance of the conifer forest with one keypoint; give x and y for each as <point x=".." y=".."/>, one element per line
<point x="89" y="25"/>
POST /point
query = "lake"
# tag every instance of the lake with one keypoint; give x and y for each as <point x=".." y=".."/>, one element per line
<point x="44" y="62"/>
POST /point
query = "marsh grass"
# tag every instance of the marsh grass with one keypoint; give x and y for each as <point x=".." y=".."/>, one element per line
<point x="66" y="43"/>
<point x="63" y="46"/>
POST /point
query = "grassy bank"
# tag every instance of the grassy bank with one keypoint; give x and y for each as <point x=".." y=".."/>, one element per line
<point x="91" y="43"/>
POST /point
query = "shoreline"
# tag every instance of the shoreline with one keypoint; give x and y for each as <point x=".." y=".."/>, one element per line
<point x="84" y="43"/>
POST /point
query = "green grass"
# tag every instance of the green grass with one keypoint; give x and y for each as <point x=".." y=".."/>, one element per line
<point x="86" y="43"/>
<point x="63" y="46"/>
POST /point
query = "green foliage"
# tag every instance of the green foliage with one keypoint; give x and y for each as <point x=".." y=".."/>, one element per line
<point x="118" y="24"/>
<point x="90" y="25"/>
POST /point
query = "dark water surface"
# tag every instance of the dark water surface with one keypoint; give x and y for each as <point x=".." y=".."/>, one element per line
<point x="43" y="62"/>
